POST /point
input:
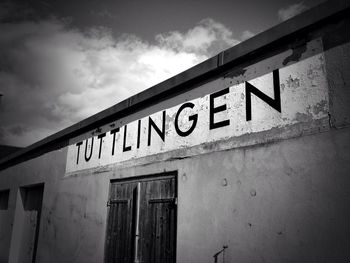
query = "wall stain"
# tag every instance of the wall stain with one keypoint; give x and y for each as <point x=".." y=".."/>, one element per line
<point x="320" y="107"/>
<point x="282" y="86"/>
<point x="293" y="83"/>
<point x="297" y="52"/>
<point x="239" y="72"/>
<point x="169" y="119"/>
<point x="224" y="182"/>
<point x="253" y="192"/>
<point x="290" y="171"/>
<point x="303" y="117"/>
<point x="311" y="74"/>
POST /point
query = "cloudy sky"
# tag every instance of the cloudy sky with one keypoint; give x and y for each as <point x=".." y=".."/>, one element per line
<point x="62" y="61"/>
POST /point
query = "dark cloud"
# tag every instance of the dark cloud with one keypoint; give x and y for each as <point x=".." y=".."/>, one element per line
<point x="53" y="75"/>
<point x="104" y="13"/>
<point x="12" y="12"/>
<point x="18" y="130"/>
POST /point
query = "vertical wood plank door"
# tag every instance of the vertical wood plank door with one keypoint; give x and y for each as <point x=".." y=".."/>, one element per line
<point x="119" y="239"/>
<point x="156" y="222"/>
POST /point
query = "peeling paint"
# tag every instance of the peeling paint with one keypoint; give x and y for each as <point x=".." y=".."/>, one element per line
<point x="293" y="83"/>
<point x="282" y="86"/>
<point x="239" y="72"/>
<point x="297" y="52"/>
<point x="321" y="107"/>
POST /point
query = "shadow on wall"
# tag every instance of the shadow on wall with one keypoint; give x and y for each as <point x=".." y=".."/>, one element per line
<point x="26" y="224"/>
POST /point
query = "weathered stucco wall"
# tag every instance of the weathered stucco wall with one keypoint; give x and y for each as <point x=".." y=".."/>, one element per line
<point x="47" y="169"/>
<point x="280" y="202"/>
<point x="5" y="234"/>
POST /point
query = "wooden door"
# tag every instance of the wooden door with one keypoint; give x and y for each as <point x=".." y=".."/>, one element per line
<point x="157" y="226"/>
<point x="120" y="223"/>
<point x="142" y="221"/>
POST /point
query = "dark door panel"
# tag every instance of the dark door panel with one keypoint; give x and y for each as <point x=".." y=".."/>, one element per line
<point x="142" y="221"/>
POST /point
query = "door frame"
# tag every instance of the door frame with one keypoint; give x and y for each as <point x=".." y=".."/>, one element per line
<point x="146" y="177"/>
<point x="143" y="178"/>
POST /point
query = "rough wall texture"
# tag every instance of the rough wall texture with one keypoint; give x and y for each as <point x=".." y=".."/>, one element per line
<point x="5" y="235"/>
<point x="283" y="202"/>
<point x="338" y="68"/>
<point x="279" y="202"/>
<point x="48" y="169"/>
<point x="73" y="214"/>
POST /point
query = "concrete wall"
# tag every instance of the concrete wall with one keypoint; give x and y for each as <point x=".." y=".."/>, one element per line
<point x="73" y="213"/>
<point x="280" y="202"/>
<point x="48" y="169"/>
<point x="5" y="222"/>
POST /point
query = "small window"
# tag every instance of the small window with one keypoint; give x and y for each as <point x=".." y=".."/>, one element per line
<point x="4" y="199"/>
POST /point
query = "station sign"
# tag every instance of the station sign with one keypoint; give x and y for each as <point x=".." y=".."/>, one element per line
<point x="283" y="97"/>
